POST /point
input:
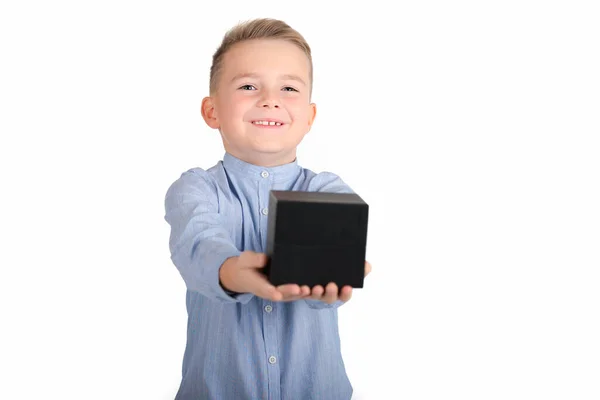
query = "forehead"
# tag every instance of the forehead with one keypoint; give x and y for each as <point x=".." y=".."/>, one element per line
<point x="264" y="57"/>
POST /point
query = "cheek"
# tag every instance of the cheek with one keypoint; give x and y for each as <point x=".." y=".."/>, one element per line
<point x="233" y="108"/>
<point x="297" y="108"/>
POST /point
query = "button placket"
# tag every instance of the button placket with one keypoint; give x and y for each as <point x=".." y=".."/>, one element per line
<point x="265" y="210"/>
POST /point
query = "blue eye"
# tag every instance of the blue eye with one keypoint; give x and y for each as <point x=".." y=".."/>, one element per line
<point x="247" y="86"/>
<point x="291" y="89"/>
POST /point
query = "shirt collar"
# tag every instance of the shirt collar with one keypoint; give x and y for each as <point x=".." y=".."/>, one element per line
<point x="246" y="170"/>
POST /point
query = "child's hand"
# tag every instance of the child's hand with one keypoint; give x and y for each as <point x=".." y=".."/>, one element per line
<point x="242" y="275"/>
<point x="330" y="293"/>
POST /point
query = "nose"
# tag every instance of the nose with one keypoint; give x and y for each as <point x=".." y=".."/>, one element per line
<point x="269" y="104"/>
<point x="269" y="100"/>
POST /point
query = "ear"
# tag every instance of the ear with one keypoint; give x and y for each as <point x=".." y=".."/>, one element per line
<point x="312" y="113"/>
<point x="208" y="112"/>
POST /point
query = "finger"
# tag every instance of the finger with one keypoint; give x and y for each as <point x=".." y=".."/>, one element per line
<point x="317" y="292"/>
<point x="304" y="291"/>
<point x="289" y="290"/>
<point x="291" y="298"/>
<point x="367" y="268"/>
<point x="331" y="293"/>
<point x="346" y="293"/>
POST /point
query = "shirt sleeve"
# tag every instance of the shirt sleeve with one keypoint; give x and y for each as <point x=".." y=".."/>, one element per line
<point x="330" y="183"/>
<point x="198" y="242"/>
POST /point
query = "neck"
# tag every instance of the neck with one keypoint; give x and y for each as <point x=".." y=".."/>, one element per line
<point x="264" y="159"/>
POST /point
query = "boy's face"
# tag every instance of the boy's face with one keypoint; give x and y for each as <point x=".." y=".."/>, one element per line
<point x="262" y="82"/>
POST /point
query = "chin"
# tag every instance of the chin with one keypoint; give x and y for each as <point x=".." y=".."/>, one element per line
<point x="271" y="149"/>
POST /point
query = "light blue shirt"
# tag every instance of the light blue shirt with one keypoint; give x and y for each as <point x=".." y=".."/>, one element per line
<point x="244" y="347"/>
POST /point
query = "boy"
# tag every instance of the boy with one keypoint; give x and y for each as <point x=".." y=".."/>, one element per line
<point x="246" y="339"/>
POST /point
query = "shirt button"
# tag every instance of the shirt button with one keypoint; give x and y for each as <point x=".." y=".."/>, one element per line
<point x="268" y="308"/>
<point x="264" y="174"/>
<point x="272" y="360"/>
<point x="265" y="211"/>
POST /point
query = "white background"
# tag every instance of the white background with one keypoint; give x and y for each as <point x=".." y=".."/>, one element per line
<point x="471" y="129"/>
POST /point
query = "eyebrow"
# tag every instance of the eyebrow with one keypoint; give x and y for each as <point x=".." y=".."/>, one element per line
<point x="253" y="75"/>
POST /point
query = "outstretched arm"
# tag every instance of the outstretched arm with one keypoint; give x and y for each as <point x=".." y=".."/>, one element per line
<point x="199" y="243"/>
<point x="204" y="253"/>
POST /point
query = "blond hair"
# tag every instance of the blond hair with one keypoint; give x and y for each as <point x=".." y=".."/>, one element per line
<point x="261" y="28"/>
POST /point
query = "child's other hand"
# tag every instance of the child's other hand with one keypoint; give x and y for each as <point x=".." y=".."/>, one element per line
<point x="330" y="293"/>
<point x="368" y="268"/>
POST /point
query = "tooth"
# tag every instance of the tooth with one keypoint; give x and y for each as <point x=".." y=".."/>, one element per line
<point x="272" y="123"/>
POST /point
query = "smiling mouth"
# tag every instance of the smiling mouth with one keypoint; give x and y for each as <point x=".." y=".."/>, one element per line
<point x="267" y="123"/>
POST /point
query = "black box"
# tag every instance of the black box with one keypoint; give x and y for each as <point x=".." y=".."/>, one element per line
<point x="314" y="238"/>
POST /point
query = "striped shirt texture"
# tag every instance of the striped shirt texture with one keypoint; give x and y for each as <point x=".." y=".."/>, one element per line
<point x="243" y="347"/>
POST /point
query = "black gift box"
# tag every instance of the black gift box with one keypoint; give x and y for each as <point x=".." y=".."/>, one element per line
<point x="314" y="238"/>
